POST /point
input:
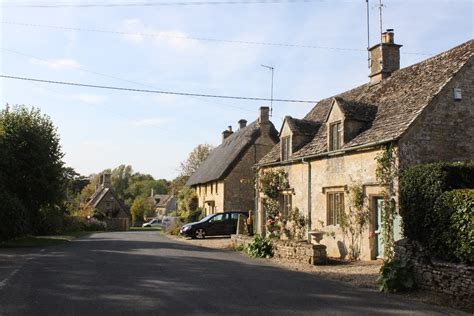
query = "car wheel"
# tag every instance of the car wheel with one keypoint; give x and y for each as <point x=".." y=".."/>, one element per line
<point x="200" y="233"/>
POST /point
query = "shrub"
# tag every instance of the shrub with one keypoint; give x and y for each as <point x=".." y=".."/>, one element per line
<point x="173" y="228"/>
<point x="420" y="186"/>
<point x="74" y="223"/>
<point x="98" y="215"/>
<point x="396" y="276"/>
<point x="12" y="217"/>
<point x="452" y="234"/>
<point x="95" y="225"/>
<point x="260" y="247"/>
<point x="50" y="220"/>
<point x="194" y="216"/>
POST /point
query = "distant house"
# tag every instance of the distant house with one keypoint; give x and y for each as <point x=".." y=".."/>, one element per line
<point x="164" y="203"/>
<point x="425" y="111"/>
<point x="106" y="201"/>
<point x="225" y="180"/>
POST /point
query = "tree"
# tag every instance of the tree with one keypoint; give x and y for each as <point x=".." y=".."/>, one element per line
<point x="141" y="207"/>
<point x="177" y="184"/>
<point x="31" y="166"/>
<point x="195" y="158"/>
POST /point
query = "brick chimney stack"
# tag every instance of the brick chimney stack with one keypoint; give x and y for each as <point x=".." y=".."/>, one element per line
<point x="384" y="58"/>
<point x="242" y="123"/>
<point x="227" y="133"/>
<point x="264" y="117"/>
<point x="106" y="180"/>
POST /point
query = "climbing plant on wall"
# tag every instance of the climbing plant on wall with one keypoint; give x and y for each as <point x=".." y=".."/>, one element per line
<point x="387" y="173"/>
<point x="355" y="220"/>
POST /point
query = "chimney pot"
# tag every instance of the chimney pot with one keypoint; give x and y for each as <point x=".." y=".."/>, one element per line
<point x="229" y="128"/>
<point x="242" y="123"/>
<point x="384" y="57"/>
<point x="227" y="133"/>
<point x="264" y="115"/>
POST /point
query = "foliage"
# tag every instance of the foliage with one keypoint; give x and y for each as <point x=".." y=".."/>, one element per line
<point x="31" y="168"/>
<point x="260" y="247"/>
<point x="452" y="227"/>
<point x="387" y="173"/>
<point x="177" y="184"/>
<point x="296" y="225"/>
<point x="195" y="158"/>
<point x="98" y="215"/>
<point x="188" y="203"/>
<point x="173" y="228"/>
<point x="194" y="216"/>
<point x="420" y="187"/>
<point x="140" y="207"/>
<point x="271" y="182"/>
<point x="355" y="221"/>
<point x="95" y="225"/>
<point x="396" y="275"/>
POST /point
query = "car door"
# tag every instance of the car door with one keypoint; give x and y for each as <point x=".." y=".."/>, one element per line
<point x="217" y="225"/>
<point x="232" y="223"/>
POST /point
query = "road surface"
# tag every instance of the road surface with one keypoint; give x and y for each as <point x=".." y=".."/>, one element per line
<point x="145" y="273"/>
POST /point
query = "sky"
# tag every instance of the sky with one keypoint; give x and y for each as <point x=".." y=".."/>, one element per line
<point x="150" y="47"/>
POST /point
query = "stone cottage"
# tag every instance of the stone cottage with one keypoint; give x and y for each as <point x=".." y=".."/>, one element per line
<point x="164" y="203"/>
<point x="106" y="201"/>
<point x="425" y="111"/>
<point x="225" y="180"/>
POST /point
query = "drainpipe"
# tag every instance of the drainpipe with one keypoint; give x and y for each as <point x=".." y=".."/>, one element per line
<point x="257" y="211"/>
<point x="309" y="197"/>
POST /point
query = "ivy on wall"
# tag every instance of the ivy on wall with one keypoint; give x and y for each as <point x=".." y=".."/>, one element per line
<point x="387" y="173"/>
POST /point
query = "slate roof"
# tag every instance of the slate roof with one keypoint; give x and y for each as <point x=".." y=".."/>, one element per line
<point x="163" y="199"/>
<point x="222" y="158"/>
<point x="302" y="127"/>
<point x="389" y="107"/>
<point x="100" y="193"/>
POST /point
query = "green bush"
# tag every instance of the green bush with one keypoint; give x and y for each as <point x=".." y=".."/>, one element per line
<point x="420" y="186"/>
<point x="50" y="221"/>
<point x="260" y="247"/>
<point x="194" y="216"/>
<point x="95" y="225"/>
<point x="396" y="276"/>
<point x="13" y="217"/>
<point x="452" y="234"/>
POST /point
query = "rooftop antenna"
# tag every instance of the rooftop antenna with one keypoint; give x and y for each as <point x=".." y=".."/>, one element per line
<point x="271" y="93"/>
<point x="368" y="32"/>
<point x="381" y="6"/>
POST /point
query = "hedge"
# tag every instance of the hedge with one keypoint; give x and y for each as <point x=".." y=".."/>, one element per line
<point x="452" y="235"/>
<point x="421" y="186"/>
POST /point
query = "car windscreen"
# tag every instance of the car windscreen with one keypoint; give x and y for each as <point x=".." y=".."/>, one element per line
<point x="205" y="219"/>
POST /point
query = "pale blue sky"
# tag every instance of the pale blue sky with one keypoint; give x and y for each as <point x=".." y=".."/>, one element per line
<point x="101" y="129"/>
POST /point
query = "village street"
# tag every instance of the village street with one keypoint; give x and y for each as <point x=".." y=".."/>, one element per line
<point x="146" y="273"/>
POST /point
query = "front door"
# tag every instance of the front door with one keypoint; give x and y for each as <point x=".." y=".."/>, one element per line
<point x="378" y="227"/>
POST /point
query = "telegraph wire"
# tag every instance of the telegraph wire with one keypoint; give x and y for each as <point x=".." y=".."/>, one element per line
<point x="155" y="4"/>
<point x="153" y="91"/>
<point x="203" y="39"/>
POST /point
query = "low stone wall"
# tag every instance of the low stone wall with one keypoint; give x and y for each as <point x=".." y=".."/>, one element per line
<point x="447" y="279"/>
<point x="117" y="224"/>
<point x="301" y="252"/>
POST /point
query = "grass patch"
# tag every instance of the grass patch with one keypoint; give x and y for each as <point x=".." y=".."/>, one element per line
<point x="145" y="229"/>
<point x="43" y="241"/>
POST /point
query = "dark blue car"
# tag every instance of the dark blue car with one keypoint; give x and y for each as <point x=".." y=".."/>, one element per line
<point x="213" y="225"/>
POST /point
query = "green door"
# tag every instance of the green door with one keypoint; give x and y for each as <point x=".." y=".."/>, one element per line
<point x="378" y="227"/>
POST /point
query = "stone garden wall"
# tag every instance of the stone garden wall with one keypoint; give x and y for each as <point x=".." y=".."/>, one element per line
<point x="301" y="252"/>
<point x="447" y="279"/>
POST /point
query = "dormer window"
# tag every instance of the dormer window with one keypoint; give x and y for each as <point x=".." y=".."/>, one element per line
<point x="335" y="136"/>
<point x="285" y="148"/>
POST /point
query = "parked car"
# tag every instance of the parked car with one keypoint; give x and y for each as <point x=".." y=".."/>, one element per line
<point x="213" y="225"/>
<point x="153" y="223"/>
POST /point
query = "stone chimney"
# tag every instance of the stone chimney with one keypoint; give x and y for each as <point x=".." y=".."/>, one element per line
<point x="227" y="133"/>
<point x="106" y="182"/>
<point x="242" y="123"/>
<point x="384" y="58"/>
<point x="264" y="117"/>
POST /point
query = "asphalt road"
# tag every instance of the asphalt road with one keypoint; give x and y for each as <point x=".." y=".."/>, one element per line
<point x="144" y="273"/>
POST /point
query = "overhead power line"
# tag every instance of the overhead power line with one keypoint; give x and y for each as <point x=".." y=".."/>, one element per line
<point x="155" y="91"/>
<point x="152" y="4"/>
<point x="205" y="39"/>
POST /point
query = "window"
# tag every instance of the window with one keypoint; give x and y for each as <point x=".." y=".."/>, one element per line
<point x="217" y="218"/>
<point x="285" y="148"/>
<point x="217" y="188"/>
<point x="212" y="188"/>
<point x="335" y="136"/>
<point x="335" y="207"/>
<point x="285" y="203"/>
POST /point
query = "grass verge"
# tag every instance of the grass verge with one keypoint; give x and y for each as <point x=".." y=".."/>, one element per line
<point x="145" y="229"/>
<point x="43" y="241"/>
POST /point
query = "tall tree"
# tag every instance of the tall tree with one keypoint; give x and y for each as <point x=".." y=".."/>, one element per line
<point x="31" y="166"/>
<point x="195" y="158"/>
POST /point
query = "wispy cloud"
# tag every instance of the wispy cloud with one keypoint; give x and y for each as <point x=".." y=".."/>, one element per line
<point x="173" y="38"/>
<point x="88" y="98"/>
<point x="148" y="122"/>
<point x="57" y="64"/>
